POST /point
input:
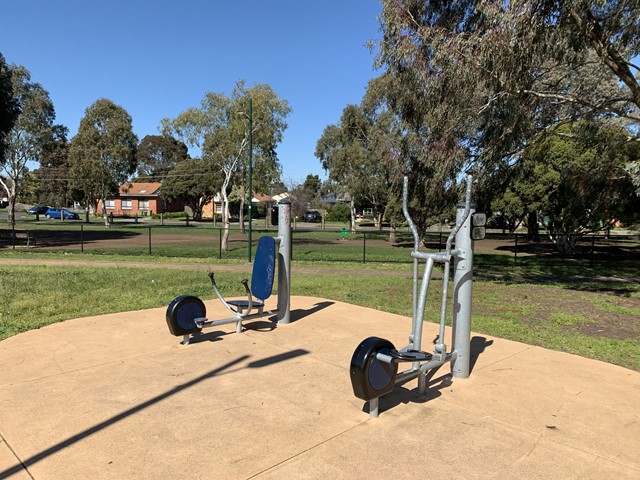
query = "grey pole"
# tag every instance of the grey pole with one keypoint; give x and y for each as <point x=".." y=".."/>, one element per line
<point x="250" y="173"/>
<point x="462" y="287"/>
<point x="284" y="261"/>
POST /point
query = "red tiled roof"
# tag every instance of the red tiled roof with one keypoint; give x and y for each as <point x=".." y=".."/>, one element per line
<point x="140" y="189"/>
<point x="262" y="198"/>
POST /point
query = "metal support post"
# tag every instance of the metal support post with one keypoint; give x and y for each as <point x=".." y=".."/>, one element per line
<point x="284" y="261"/>
<point x="249" y="220"/>
<point x="462" y="287"/>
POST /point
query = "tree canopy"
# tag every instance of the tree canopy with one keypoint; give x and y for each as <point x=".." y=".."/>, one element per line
<point x="485" y="77"/>
<point x="31" y="131"/>
<point x="103" y="152"/>
<point x="194" y="181"/>
<point x="9" y="107"/>
<point x="220" y="128"/>
<point x="575" y="182"/>
<point x="52" y="184"/>
<point x="158" y="155"/>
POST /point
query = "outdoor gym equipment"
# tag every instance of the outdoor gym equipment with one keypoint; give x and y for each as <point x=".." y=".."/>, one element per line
<point x="374" y="364"/>
<point x="186" y="314"/>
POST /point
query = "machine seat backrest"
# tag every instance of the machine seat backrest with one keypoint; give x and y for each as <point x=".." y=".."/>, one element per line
<point x="264" y="268"/>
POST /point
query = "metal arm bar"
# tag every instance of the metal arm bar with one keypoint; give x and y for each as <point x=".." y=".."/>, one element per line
<point x="224" y="302"/>
<point x="416" y="239"/>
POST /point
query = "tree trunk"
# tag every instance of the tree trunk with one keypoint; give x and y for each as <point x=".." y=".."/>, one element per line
<point x="533" y="231"/>
<point x="105" y="217"/>
<point x="11" y="211"/>
<point x="11" y="197"/>
<point x="392" y="233"/>
<point x="225" y="220"/>
<point x="353" y="216"/>
<point x="565" y="243"/>
<point x="241" y="214"/>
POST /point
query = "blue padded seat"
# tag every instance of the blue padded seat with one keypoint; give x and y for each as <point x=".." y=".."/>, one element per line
<point x="244" y="304"/>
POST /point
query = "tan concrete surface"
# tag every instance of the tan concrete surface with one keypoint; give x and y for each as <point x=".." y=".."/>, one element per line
<point x="118" y="397"/>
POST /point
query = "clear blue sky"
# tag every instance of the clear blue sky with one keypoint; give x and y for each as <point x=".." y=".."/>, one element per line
<point x="157" y="58"/>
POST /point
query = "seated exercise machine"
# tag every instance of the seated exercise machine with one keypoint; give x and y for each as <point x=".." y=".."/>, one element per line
<point x="186" y="314"/>
<point x="374" y="364"/>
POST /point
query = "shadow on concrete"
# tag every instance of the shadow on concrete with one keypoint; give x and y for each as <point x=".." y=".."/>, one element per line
<point x="258" y="325"/>
<point x="402" y="395"/>
<point x="299" y="313"/>
<point x="25" y="464"/>
<point x="210" y="336"/>
<point x="478" y="346"/>
<point x="434" y="384"/>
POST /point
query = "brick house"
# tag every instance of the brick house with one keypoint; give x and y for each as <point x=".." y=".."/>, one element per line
<point x="139" y="199"/>
<point x="259" y="200"/>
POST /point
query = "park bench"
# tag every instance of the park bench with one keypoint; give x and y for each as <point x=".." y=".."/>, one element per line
<point x="13" y="237"/>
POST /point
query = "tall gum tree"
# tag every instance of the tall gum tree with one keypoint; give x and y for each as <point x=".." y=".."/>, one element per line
<point x="102" y="155"/>
<point x="9" y="107"/>
<point x="220" y="129"/>
<point x="31" y="131"/>
<point x="485" y="78"/>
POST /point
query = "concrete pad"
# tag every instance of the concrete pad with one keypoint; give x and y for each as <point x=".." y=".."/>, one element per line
<point x="116" y="396"/>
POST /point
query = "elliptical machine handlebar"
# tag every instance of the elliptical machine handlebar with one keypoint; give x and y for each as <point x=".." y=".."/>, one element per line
<point x="405" y="212"/>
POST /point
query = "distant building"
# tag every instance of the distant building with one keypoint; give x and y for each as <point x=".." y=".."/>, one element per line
<point x="259" y="199"/>
<point x="139" y="199"/>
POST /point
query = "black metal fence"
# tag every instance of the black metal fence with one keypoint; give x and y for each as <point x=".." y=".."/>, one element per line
<point x="312" y="244"/>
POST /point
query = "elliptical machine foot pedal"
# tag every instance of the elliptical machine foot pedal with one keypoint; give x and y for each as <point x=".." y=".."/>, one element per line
<point x="410" y="355"/>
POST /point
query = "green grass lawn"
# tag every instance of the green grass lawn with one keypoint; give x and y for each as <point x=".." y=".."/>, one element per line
<point x="590" y="311"/>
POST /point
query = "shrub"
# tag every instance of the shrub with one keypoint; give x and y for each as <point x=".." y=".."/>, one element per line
<point x="170" y="215"/>
<point x="340" y="212"/>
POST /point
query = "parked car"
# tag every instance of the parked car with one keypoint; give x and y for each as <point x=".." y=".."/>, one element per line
<point x="37" y="210"/>
<point x="312" y="216"/>
<point x="57" y="212"/>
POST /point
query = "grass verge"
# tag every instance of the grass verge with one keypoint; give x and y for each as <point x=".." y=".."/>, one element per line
<point x="573" y="316"/>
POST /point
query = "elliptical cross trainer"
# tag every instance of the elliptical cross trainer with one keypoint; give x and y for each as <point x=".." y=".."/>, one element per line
<point x="374" y="364"/>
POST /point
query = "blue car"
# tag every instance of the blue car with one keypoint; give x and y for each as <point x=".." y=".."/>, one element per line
<point x="57" y="213"/>
<point x="37" y="210"/>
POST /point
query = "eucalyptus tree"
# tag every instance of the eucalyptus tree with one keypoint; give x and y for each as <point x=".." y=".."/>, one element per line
<point x="51" y="178"/>
<point x="484" y="78"/>
<point x="220" y="129"/>
<point x="102" y="155"/>
<point x="30" y="133"/>
<point x="363" y="151"/>
<point x="9" y="107"/>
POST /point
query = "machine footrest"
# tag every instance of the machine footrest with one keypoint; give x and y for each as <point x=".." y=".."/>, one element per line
<point x="409" y="355"/>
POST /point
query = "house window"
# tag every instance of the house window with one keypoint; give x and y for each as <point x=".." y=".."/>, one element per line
<point x="143" y="204"/>
<point x="110" y="204"/>
<point x="126" y="204"/>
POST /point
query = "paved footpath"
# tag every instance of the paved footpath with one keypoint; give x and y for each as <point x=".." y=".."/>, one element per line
<point x="117" y="397"/>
